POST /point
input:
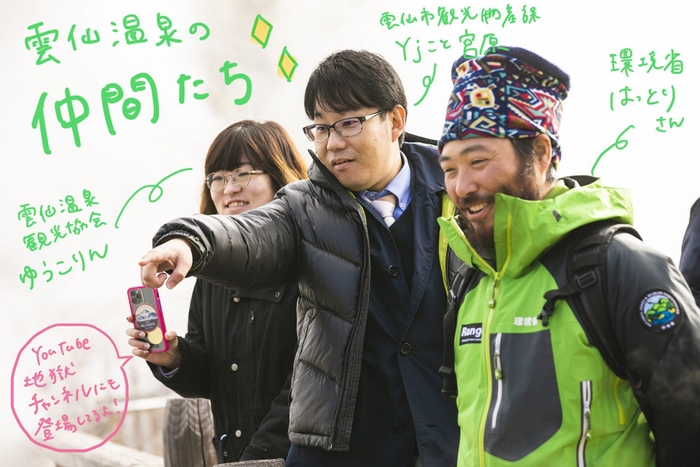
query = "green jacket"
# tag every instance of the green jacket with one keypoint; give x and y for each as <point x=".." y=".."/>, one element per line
<point x="535" y="395"/>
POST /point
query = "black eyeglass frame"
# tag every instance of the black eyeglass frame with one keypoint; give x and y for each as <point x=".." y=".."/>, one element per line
<point x="308" y="128"/>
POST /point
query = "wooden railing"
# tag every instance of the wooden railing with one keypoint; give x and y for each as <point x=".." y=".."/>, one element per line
<point x="108" y="455"/>
<point x="187" y="429"/>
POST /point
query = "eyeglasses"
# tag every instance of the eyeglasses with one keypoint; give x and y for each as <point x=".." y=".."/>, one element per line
<point x="217" y="180"/>
<point x="346" y="127"/>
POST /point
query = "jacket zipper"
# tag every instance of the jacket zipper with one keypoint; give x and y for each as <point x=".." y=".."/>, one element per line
<point x="498" y="373"/>
<point x="487" y="361"/>
<point x="486" y="342"/>
<point x="586" y="399"/>
<point x="337" y="431"/>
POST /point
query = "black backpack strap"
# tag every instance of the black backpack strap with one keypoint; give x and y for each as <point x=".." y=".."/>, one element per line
<point x="572" y="288"/>
<point x="586" y="290"/>
<point x="458" y="287"/>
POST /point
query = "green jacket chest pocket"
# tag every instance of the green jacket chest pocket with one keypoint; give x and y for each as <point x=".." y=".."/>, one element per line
<point x="525" y="409"/>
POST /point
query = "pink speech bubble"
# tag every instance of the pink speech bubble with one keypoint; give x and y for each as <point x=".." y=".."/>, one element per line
<point x="65" y="380"/>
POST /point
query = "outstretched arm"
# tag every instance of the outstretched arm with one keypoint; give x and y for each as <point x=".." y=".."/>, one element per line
<point x="255" y="249"/>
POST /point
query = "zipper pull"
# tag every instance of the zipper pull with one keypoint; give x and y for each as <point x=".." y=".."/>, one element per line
<point x="497" y="358"/>
<point x="252" y="316"/>
<point x="587" y="408"/>
<point x="587" y="414"/>
<point x="492" y="302"/>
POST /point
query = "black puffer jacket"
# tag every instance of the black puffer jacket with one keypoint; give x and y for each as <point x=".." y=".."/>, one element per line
<point x="314" y="233"/>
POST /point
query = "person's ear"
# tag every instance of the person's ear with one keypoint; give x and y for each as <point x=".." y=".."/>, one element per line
<point x="397" y="116"/>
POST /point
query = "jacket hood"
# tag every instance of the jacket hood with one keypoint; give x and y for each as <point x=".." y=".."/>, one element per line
<point x="524" y="230"/>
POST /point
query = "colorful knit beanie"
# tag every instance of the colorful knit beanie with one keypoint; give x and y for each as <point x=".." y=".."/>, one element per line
<point x="508" y="93"/>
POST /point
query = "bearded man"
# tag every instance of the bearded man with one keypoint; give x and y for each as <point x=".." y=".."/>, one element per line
<point x="532" y="389"/>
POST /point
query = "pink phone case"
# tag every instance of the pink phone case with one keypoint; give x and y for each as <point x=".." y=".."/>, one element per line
<point x="148" y="316"/>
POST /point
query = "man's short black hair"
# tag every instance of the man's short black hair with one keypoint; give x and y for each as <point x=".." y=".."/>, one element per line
<point x="352" y="79"/>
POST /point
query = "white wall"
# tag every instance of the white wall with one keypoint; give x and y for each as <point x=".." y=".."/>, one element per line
<point x="660" y="168"/>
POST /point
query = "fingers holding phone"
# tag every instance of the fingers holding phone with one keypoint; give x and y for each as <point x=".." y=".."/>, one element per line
<point x="170" y="359"/>
<point x="149" y="336"/>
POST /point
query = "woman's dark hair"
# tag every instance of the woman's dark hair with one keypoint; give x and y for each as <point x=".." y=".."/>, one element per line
<point x="266" y="146"/>
<point x="352" y="79"/>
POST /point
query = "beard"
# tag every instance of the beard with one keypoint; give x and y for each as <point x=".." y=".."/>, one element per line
<point x="522" y="185"/>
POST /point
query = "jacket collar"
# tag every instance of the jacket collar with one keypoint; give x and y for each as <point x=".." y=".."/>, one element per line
<point x="524" y="230"/>
<point x="426" y="174"/>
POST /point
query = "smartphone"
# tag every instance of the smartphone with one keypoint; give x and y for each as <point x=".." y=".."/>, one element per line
<point x="148" y="316"/>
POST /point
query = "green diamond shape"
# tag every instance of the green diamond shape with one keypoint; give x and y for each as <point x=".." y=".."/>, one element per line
<point x="287" y="64"/>
<point x="262" y="29"/>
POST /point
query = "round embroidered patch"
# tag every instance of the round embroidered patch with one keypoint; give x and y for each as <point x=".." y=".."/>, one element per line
<point x="659" y="311"/>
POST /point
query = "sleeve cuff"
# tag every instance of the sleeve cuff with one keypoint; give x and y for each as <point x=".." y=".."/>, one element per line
<point x="195" y="246"/>
<point x="168" y="374"/>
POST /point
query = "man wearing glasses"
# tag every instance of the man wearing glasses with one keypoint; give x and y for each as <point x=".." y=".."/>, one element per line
<point x="360" y="238"/>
